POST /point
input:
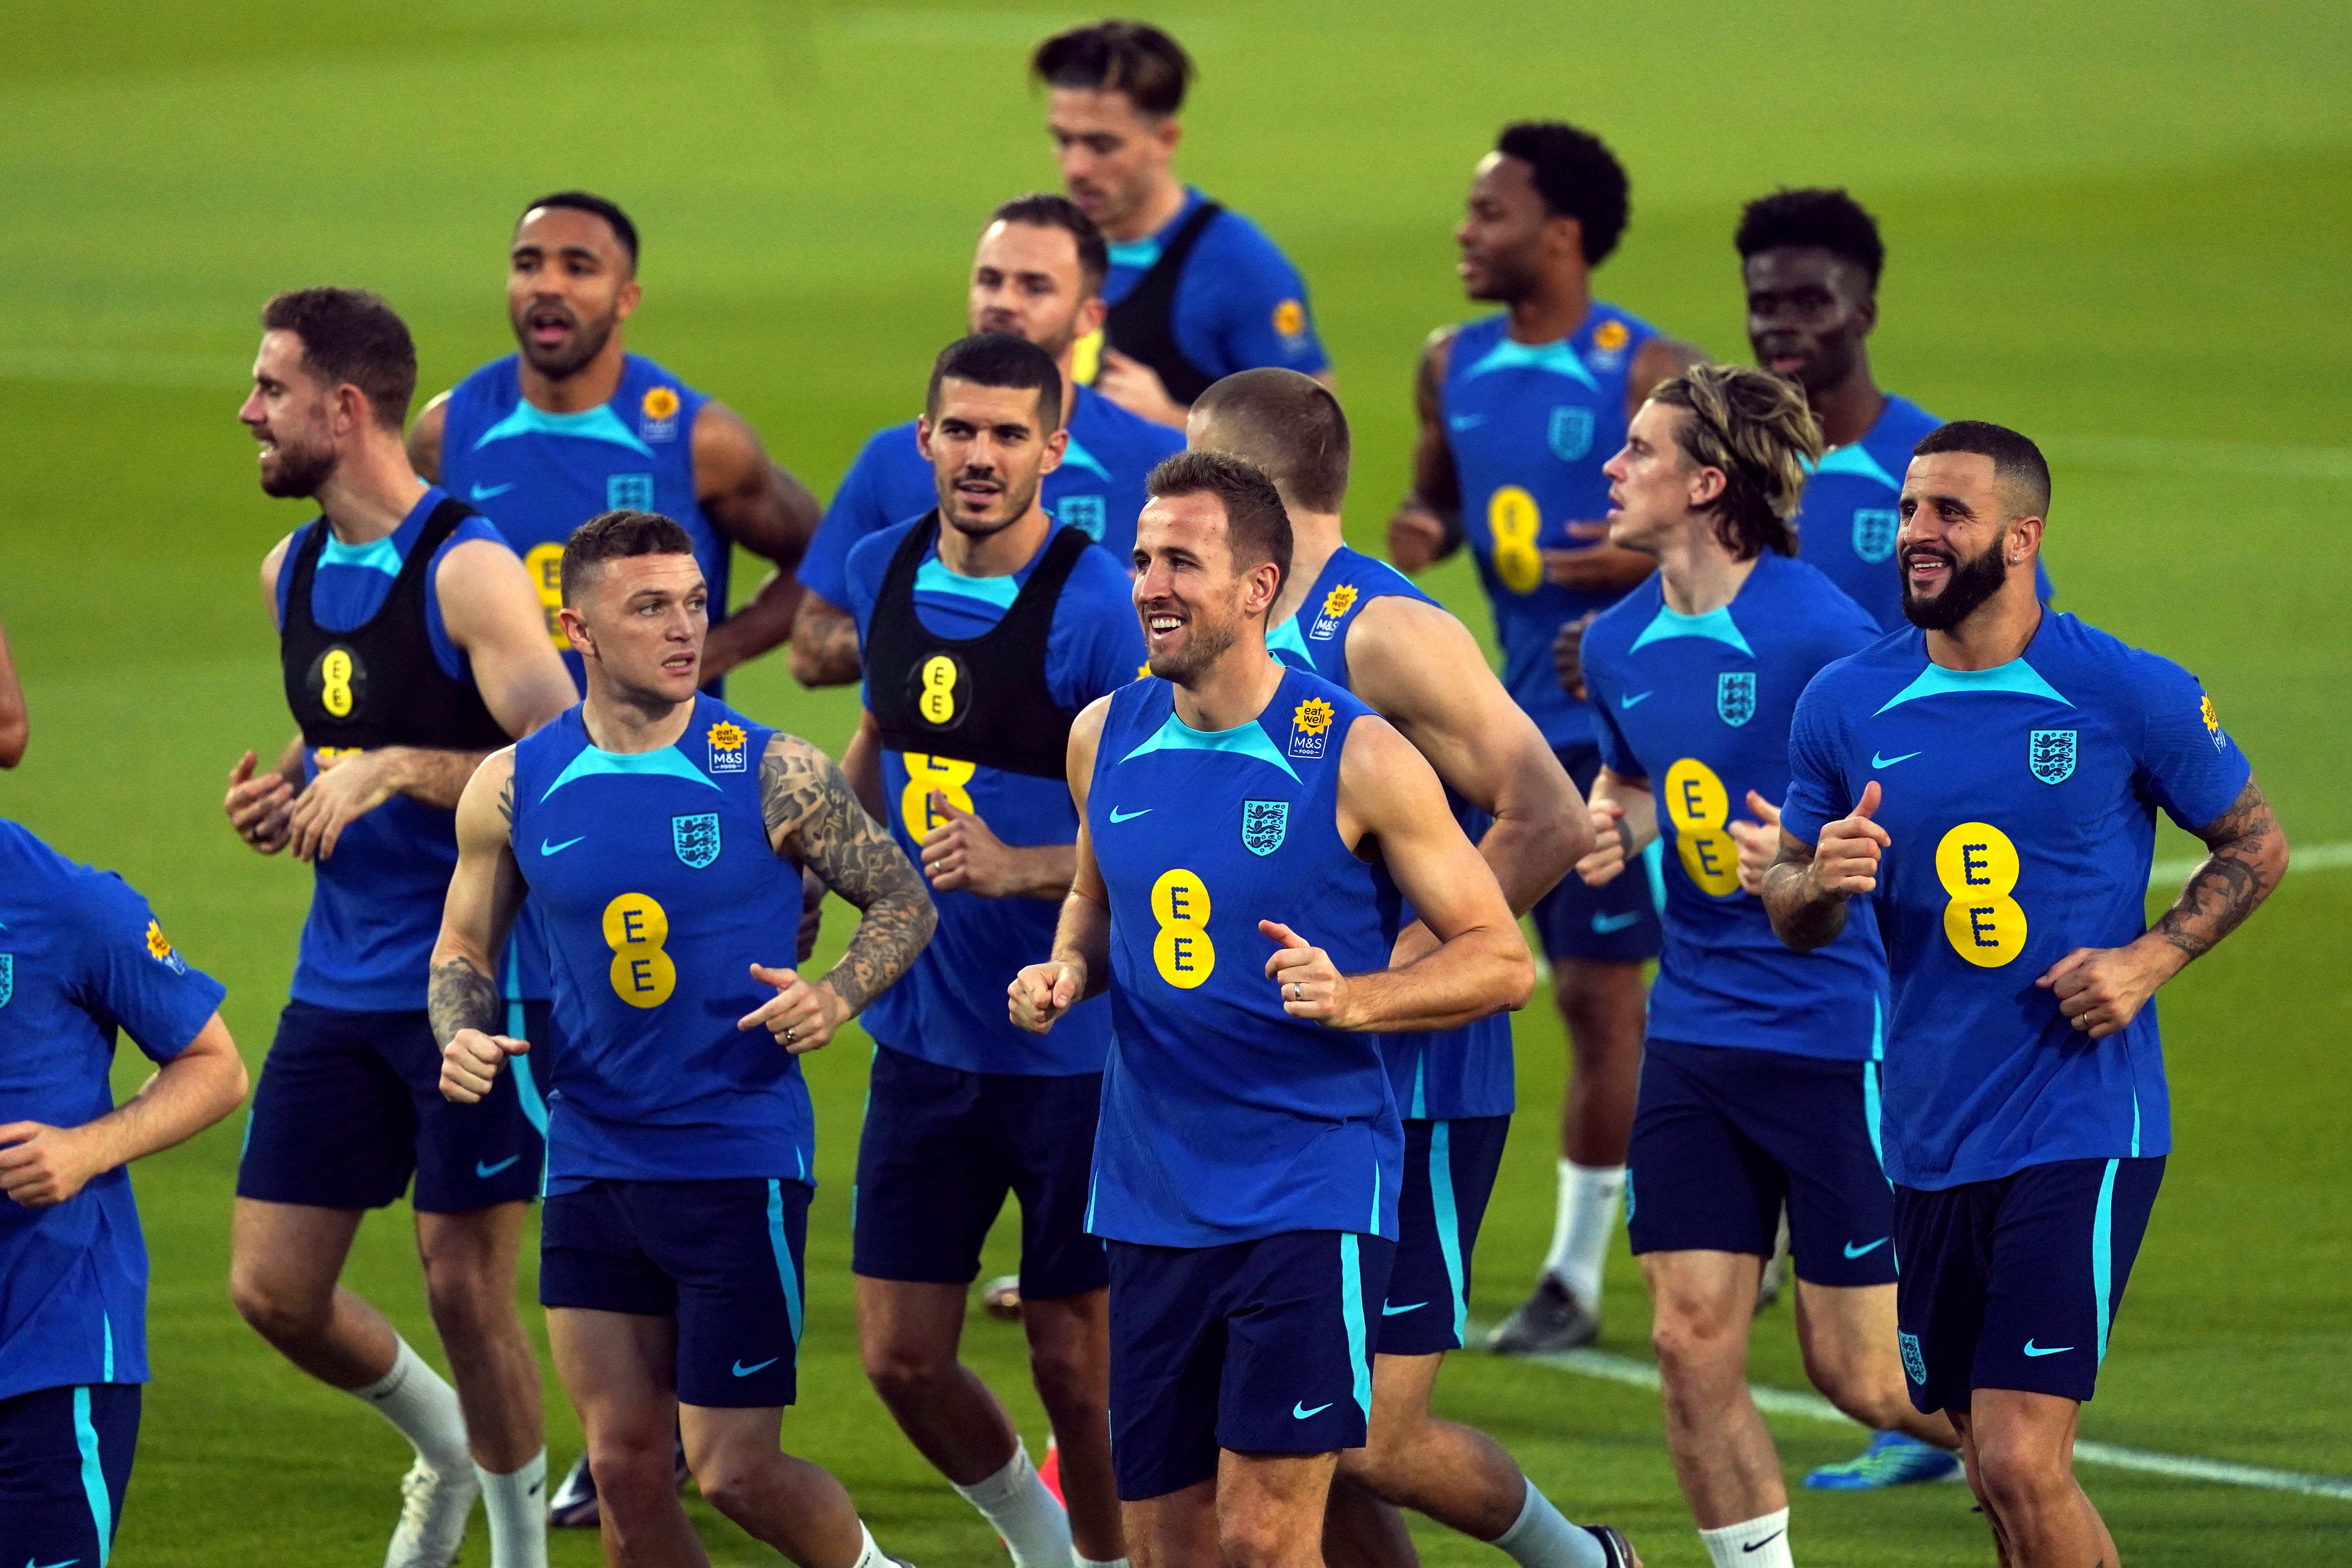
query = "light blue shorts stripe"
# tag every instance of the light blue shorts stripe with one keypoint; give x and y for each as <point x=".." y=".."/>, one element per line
<point x="1653" y="861"/>
<point x="93" y="1476"/>
<point x="1352" y="1311"/>
<point x="784" y="1269"/>
<point x="2102" y="1253"/>
<point x="1449" y="1220"/>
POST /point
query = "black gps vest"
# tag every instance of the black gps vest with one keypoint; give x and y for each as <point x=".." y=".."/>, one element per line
<point x="1142" y="326"/>
<point x="379" y="684"/>
<point x="980" y="700"/>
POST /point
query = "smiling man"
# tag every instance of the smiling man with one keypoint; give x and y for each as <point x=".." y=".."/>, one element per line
<point x="1196" y="290"/>
<point x="1990" y="777"/>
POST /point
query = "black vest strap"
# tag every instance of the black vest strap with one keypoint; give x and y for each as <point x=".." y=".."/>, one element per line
<point x="1143" y="325"/>
<point x="980" y="700"/>
<point x="378" y="684"/>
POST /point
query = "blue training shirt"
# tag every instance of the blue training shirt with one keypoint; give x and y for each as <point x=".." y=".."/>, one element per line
<point x="375" y="903"/>
<point x="2021" y="801"/>
<point x="1240" y="304"/>
<point x="1225" y="1118"/>
<point x="80" y="956"/>
<point x="1699" y="705"/>
<point x="1453" y="1073"/>
<point x="1850" y="514"/>
<point x="659" y="889"/>
<point x="1098" y="488"/>
<point x="948" y="1008"/>
<point x="1529" y="425"/>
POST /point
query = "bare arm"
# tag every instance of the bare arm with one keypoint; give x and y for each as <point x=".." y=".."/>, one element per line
<point x="825" y="644"/>
<point x="813" y="819"/>
<point x="1427" y="526"/>
<point x="16" y="725"/>
<point x="861" y="765"/>
<point x="1624" y="817"/>
<point x="1080" y="965"/>
<point x="461" y="997"/>
<point x="1389" y="797"/>
<point x="41" y="1165"/>
<point x="1424" y="672"/>
<point x="425" y="439"/>
<point x="761" y="506"/>
<point x="1807" y="885"/>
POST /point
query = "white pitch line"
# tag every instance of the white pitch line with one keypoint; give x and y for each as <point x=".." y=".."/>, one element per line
<point x="1636" y="1373"/>
<point x="2300" y="858"/>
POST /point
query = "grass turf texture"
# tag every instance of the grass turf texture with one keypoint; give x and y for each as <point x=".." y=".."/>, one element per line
<point x="2099" y="227"/>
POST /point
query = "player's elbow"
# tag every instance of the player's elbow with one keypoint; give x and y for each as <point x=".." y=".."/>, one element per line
<point x="1514" y="970"/>
<point x="15" y="730"/>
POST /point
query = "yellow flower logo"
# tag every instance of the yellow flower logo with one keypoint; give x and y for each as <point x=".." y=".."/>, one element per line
<point x="661" y="403"/>
<point x="727" y="737"/>
<point x="1339" y="600"/>
<point x="158" y="948"/>
<point x="1610" y="336"/>
<point x="1290" y="318"/>
<point x="2212" y="719"/>
<point x="1313" y="716"/>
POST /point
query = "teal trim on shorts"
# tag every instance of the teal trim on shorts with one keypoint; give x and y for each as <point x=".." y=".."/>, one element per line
<point x="1653" y="861"/>
<point x="784" y="1269"/>
<point x="1449" y="1220"/>
<point x="1352" y="1311"/>
<point x="2103" y="1260"/>
<point x="93" y="1476"/>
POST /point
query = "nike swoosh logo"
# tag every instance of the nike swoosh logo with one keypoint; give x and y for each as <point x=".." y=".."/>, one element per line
<point x="1760" y="1545"/>
<point x="1116" y="816"/>
<point x="743" y="1371"/>
<point x="1629" y="702"/>
<point x="1467" y="421"/>
<point x="547" y="848"/>
<point x="1300" y="1412"/>
<point x="1389" y="1312"/>
<point x="69" y="1563"/>
<point x="1878" y="762"/>
<point x="1854" y="1251"/>
<point x="486" y="1172"/>
<point x="2034" y="1350"/>
<point x="484" y="492"/>
<point x="1605" y="924"/>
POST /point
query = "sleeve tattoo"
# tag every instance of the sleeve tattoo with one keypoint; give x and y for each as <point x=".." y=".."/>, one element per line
<point x="460" y="996"/>
<point x="808" y="803"/>
<point x="2231" y="882"/>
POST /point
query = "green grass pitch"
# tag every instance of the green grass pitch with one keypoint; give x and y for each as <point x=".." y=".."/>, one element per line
<point x="2103" y="224"/>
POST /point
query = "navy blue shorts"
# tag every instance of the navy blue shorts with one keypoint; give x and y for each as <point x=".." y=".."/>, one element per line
<point x="1724" y="1136"/>
<point x="1613" y="924"/>
<point x="940" y="1149"/>
<point x="1261" y="1347"/>
<point x="722" y="1257"/>
<point x="350" y="1107"/>
<point x="64" y="1463"/>
<point x="2014" y="1283"/>
<point x="1449" y="1174"/>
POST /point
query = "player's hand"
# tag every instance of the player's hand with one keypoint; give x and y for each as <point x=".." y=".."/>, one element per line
<point x="42" y="1166"/>
<point x="1413" y="944"/>
<point x="1606" y="861"/>
<point x="1758" y="841"/>
<point x="1845" y="861"/>
<point x="1568" y="656"/>
<point x="1137" y="387"/>
<point x="1310" y="984"/>
<point x="961" y="855"/>
<point x="1416" y="538"/>
<point x="259" y="806"/>
<point x="813" y="890"/>
<point x="1041" y="993"/>
<point x="470" y="1063"/>
<point x="348" y="787"/>
<point x="2100" y="989"/>
<point x="801" y="1017"/>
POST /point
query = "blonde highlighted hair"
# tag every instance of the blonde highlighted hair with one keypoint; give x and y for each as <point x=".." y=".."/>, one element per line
<point x="1756" y="430"/>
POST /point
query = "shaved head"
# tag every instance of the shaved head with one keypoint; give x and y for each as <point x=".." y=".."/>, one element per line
<point x="2021" y="475"/>
<point x="1287" y="425"/>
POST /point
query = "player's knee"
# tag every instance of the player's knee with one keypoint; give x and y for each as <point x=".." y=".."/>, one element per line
<point x="465" y="1298"/>
<point x="1690" y="1344"/>
<point x="633" y="1469"/>
<point x="2015" y="1477"/>
<point x="279" y="1309"/>
<point x="1067" y="1377"/>
<point x="1257" y="1539"/>
<point x="901" y="1371"/>
<point x="734" y="1480"/>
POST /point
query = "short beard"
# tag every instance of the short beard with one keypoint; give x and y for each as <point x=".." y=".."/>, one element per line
<point x="1508" y="281"/>
<point x="1970" y="583"/>
<point x="1202" y="650"/>
<point x="561" y="364"/>
<point x="1016" y="507"/>
<point x="298" y="473"/>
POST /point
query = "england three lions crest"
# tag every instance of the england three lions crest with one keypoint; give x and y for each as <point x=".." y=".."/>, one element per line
<point x="1875" y="529"/>
<point x="2049" y="753"/>
<point x="696" y="838"/>
<point x="1570" y="433"/>
<point x="1263" y="824"/>
<point x="1735" y="696"/>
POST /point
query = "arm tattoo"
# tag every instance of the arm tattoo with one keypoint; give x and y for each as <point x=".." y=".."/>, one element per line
<point x="506" y="801"/>
<point x="460" y="996"/>
<point x="1800" y="923"/>
<point x="2233" y="878"/>
<point x="807" y="800"/>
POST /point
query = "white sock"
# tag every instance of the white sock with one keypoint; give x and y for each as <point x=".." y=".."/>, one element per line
<point x="1100" y="1562"/>
<point x="1541" y="1537"/>
<point x="1760" y="1542"/>
<point x="517" y="1505"/>
<point x="1582" y="1228"/>
<point x="870" y="1555"/>
<point x="413" y="1397"/>
<point x="1023" y="1512"/>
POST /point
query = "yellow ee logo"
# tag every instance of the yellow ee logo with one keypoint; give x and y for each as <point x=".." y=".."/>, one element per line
<point x="1979" y="868"/>
<point x="936" y="701"/>
<point x="1513" y="519"/>
<point x="339" y="680"/>
<point x="634" y="929"/>
<point x="1183" y="951"/>
<point x="924" y="774"/>
<point x="545" y="564"/>
<point x="1699" y="806"/>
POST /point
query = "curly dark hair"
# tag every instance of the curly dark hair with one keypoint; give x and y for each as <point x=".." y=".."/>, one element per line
<point x="1577" y="176"/>
<point x="1828" y="218"/>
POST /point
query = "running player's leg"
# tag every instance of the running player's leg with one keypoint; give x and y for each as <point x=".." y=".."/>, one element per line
<point x="789" y="1503"/>
<point x="1722" y="1453"/>
<point x="1270" y="1508"/>
<point x="617" y="1369"/>
<point x="1847" y="1335"/>
<point x="1069" y="1360"/>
